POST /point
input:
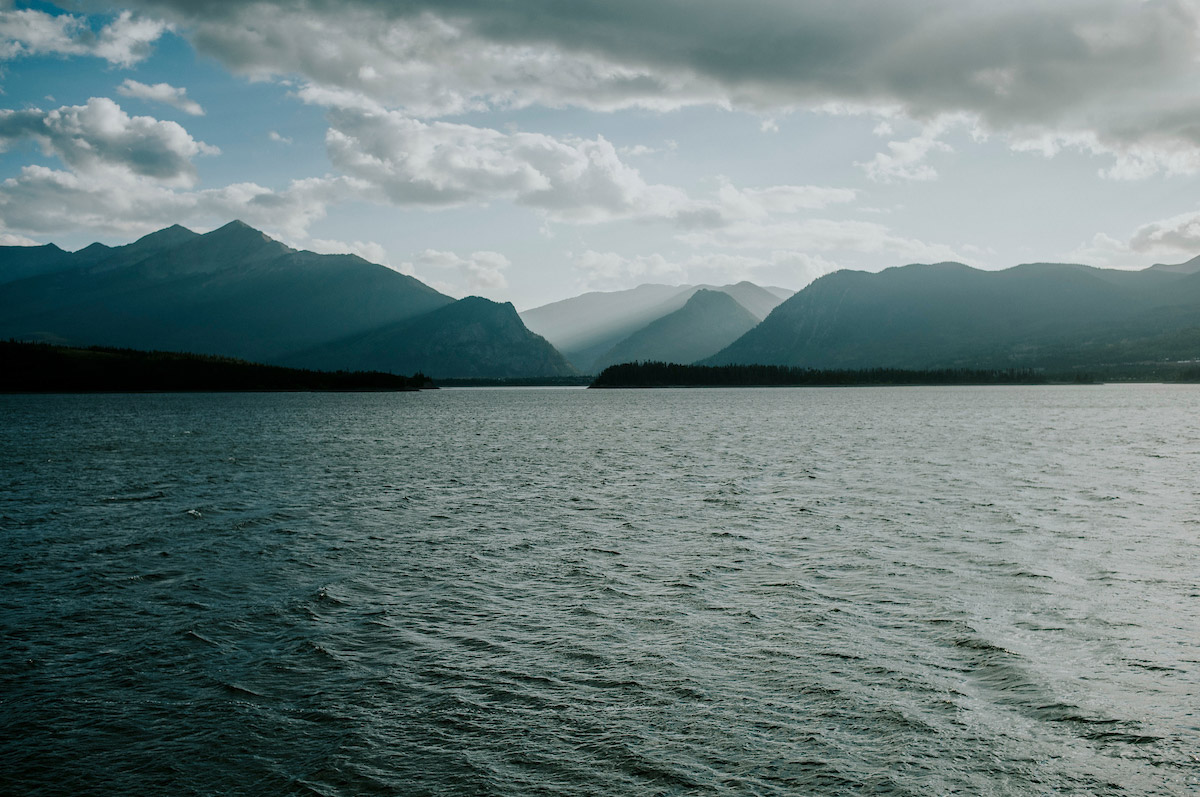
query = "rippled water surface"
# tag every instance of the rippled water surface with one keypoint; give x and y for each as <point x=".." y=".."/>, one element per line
<point x="521" y="592"/>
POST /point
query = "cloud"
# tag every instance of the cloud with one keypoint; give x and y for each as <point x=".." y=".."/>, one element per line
<point x="1177" y="234"/>
<point x="480" y="273"/>
<point x="822" y="235"/>
<point x="161" y="92"/>
<point x="41" y="200"/>
<point x="1124" y="71"/>
<point x="758" y="203"/>
<point x="412" y="163"/>
<point x="100" y="137"/>
<point x="275" y="136"/>
<point x="907" y="160"/>
<point x="1169" y="240"/>
<point x="123" y="42"/>
<point x="368" y="250"/>
<point x="10" y="239"/>
<point x="614" y="271"/>
<point x="440" y="164"/>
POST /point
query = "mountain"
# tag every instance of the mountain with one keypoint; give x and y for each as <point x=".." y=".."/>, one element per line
<point x="237" y="292"/>
<point x="586" y="327"/>
<point x="707" y="323"/>
<point x="473" y="337"/>
<point x="1190" y="267"/>
<point x="232" y="291"/>
<point x="19" y="262"/>
<point x="951" y="315"/>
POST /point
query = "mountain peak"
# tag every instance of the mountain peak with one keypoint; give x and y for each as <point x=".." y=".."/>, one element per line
<point x="238" y="229"/>
<point x="168" y="236"/>
<point x="239" y="237"/>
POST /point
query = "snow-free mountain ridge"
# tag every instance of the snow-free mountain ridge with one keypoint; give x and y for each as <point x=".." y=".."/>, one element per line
<point x="237" y="292"/>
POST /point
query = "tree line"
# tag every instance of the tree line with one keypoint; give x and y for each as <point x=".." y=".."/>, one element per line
<point x="45" y="368"/>
<point x="660" y="374"/>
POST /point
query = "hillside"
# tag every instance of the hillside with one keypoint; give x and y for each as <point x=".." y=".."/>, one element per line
<point x="948" y="315"/>
<point x="473" y="337"/>
<point x="707" y="323"/>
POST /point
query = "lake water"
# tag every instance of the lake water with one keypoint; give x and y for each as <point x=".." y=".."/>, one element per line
<point x="906" y="591"/>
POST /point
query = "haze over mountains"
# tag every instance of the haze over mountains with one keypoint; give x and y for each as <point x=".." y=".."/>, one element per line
<point x="704" y="325"/>
<point x="585" y="328"/>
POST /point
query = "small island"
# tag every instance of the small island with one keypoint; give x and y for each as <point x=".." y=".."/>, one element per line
<point x="46" y="368"/>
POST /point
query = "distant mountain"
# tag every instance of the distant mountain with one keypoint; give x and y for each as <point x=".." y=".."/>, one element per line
<point x="233" y="292"/>
<point x="707" y="323"/>
<point x="1190" y="267"/>
<point x="586" y="327"/>
<point x="473" y="337"/>
<point x="951" y="315"/>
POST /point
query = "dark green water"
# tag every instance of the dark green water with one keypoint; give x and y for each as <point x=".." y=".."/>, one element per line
<point x="520" y="592"/>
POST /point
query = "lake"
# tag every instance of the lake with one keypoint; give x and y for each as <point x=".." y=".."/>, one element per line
<point x="905" y="591"/>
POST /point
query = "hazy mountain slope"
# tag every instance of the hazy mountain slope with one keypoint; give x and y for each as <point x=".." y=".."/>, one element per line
<point x="473" y="337"/>
<point x="585" y="327"/>
<point x="948" y="314"/>
<point x="759" y="301"/>
<point x="233" y="291"/>
<point x="709" y="321"/>
<point x="1190" y="267"/>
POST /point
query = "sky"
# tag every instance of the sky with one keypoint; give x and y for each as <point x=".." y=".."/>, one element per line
<point x="532" y="150"/>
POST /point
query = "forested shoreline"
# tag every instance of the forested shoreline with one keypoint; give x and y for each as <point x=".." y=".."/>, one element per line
<point x="657" y="374"/>
<point x="46" y="368"/>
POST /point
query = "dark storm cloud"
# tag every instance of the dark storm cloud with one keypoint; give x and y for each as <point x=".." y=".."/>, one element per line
<point x="1011" y="63"/>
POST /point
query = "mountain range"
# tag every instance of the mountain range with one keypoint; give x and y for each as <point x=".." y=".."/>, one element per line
<point x="236" y="292"/>
<point x="590" y="329"/>
<point x="948" y="315"/>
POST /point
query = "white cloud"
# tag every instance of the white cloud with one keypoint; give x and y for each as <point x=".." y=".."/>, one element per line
<point x="123" y="42"/>
<point x="1170" y="240"/>
<point x="907" y="160"/>
<point x="11" y="239"/>
<point x="161" y="92"/>
<point x="275" y="136"/>
<point x="368" y="250"/>
<point x="614" y="271"/>
<point x="100" y="137"/>
<point x="439" y="164"/>
<point x="638" y="151"/>
<point x="1178" y="235"/>
<point x="758" y="203"/>
<point x="480" y="273"/>
<point x="822" y="235"/>
<point x="40" y="200"/>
